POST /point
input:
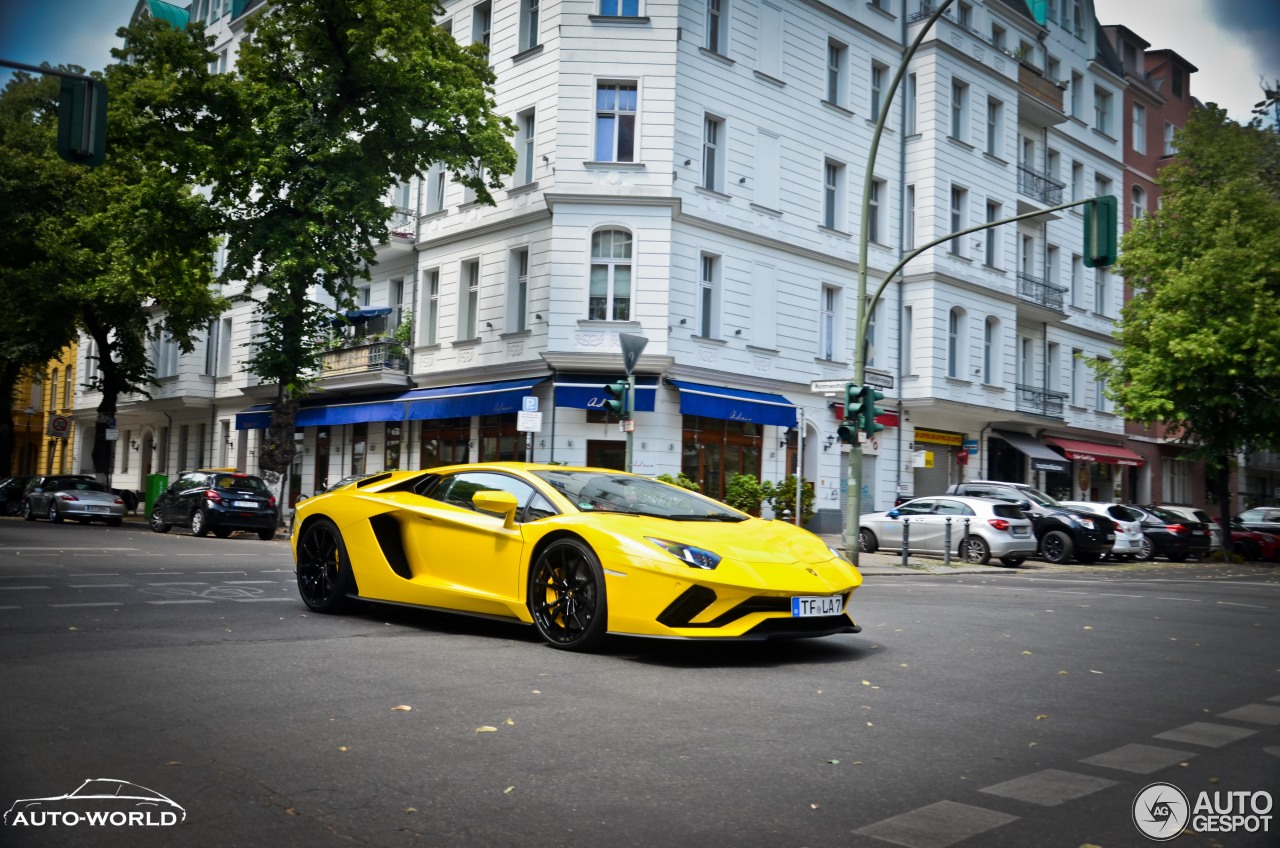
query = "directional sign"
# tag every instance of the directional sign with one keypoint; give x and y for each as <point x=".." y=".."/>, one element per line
<point x="828" y="386"/>
<point x="879" y="379"/>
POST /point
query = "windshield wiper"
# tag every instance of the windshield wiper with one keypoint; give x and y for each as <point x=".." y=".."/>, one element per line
<point x="733" y="519"/>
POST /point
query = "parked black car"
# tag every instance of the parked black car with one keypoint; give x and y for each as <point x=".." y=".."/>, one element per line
<point x="1263" y="519"/>
<point x="218" y="502"/>
<point x="1063" y="533"/>
<point x="11" y="493"/>
<point x="1171" y="535"/>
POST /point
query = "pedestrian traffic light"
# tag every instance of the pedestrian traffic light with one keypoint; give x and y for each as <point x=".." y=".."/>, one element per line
<point x="1100" y="247"/>
<point x="82" y="121"/>
<point x="617" y="403"/>
<point x="847" y="432"/>
<point x="869" y="411"/>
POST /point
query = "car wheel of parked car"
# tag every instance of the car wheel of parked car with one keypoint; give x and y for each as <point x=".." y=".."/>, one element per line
<point x="222" y="532"/>
<point x="267" y="535"/>
<point x="324" y="569"/>
<point x="1013" y="561"/>
<point x="27" y="512"/>
<point x="199" y="524"/>
<point x="975" y="549"/>
<point x="1057" y="547"/>
<point x="867" y="541"/>
<point x="157" y="522"/>
<point x="53" y="512"/>
<point x="1148" y="552"/>
<point x="566" y="596"/>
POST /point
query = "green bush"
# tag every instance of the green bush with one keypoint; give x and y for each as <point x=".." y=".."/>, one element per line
<point x="745" y="493"/>
<point x="681" y="481"/>
<point x="782" y="496"/>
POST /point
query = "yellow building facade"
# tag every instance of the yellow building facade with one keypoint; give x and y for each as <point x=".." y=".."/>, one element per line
<point x="43" y="428"/>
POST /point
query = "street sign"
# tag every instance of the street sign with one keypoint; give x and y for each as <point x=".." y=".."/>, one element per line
<point x="830" y="387"/>
<point x="529" y="422"/>
<point x="111" y="434"/>
<point x="529" y="403"/>
<point x="59" y="425"/>
<point x="879" y="379"/>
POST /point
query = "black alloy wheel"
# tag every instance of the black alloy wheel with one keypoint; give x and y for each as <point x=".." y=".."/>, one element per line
<point x="157" y="521"/>
<point x="324" y="569"/>
<point x="1013" y="561"/>
<point x="567" y="596"/>
<point x="1057" y="547"/>
<point x="867" y="541"/>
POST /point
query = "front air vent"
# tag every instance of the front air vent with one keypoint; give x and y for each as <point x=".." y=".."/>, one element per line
<point x="386" y="529"/>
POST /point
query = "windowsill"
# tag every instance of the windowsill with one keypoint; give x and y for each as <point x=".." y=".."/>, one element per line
<point x="769" y="350"/>
<point x="958" y="381"/>
<point x="466" y="342"/>
<point x="888" y="15"/>
<point x="1078" y="121"/>
<point x="772" y="80"/>
<point x="966" y="260"/>
<point x="831" y="362"/>
<point x="615" y="166"/>
<point x="877" y="244"/>
<point x="719" y="57"/>
<point x="836" y="107"/>
<point x="515" y="334"/>
<point x="994" y="158"/>
<point x="709" y="340"/>
<point x="470" y="204"/>
<point x="711" y="192"/>
<point x="516" y="191"/>
<point x="822" y="228"/>
<point x="1078" y="310"/>
<point x="604" y="324"/>
<point x="765" y="210"/>
<point x="429" y="216"/>
<point x="1104" y="134"/>
<point x="428" y="347"/>
<point x="1101" y="316"/>
<point x="526" y="54"/>
<point x="1077" y="408"/>
<point x="962" y="144"/>
<point x="1105" y="412"/>
<point x="625" y="20"/>
<point x="993" y="269"/>
<point x="993" y="388"/>
<point x="915" y="136"/>
<point x="871" y="122"/>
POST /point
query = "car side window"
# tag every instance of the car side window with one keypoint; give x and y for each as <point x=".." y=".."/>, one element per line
<point x="538" y="507"/>
<point x="922" y="507"/>
<point x="946" y="507"/>
<point x="460" y="488"/>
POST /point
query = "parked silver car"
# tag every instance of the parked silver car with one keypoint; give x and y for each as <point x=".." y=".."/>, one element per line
<point x="63" y="496"/>
<point x="1128" y="544"/>
<point x="994" y="529"/>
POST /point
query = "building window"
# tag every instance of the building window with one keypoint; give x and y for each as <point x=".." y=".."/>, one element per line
<point x="224" y="347"/>
<point x="1077" y="279"/>
<point x="469" y="300"/>
<point x="1140" y="128"/>
<point x="1102" y="110"/>
<point x="964" y="15"/>
<point x="1077" y="181"/>
<point x="1169" y="147"/>
<point x="833" y="195"/>
<point x="909" y="225"/>
<point x="1077" y="95"/>
<point x="873" y="323"/>
<point x="481" y="20"/>
<point x="993" y="243"/>
<point x="959" y="110"/>
<point x="436" y="179"/>
<point x="211" y="349"/>
<point x="1101" y="291"/>
<point x="609" y="297"/>
<point x="1077" y="377"/>
<point x="620" y="8"/>
<point x="995" y="127"/>
<point x="1175" y="81"/>
<point x="526" y="125"/>
<point x="1077" y="19"/>
<point x="1101" y="403"/>
<point x="1052" y="163"/>
<point x="1053" y="366"/>
<point x="998" y="34"/>
<point x="518" y="296"/>
<point x="712" y="153"/>
<point x="1026" y="362"/>
<point x="837" y="70"/>
<point x="908" y="337"/>
<point x="959" y="197"/>
<point x="432" y="286"/>
<point x="955" y="342"/>
<point x="615" y="122"/>
<point x="1027" y="256"/>
<point x="875" y="214"/>
<point x="990" y="350"/>
<point x="707" y="295"/>
<point x="717" y="25"/>
<point x="529" y="24"/>
<point x="1139" y="202"/>
<point x="1176" y="474"/>
<point x="911" y="105"/>
<point x="829" y="309"/>
<point x="879" y="76"/>
<point x="1051" y="265"/>
<point x="478" y="171"/>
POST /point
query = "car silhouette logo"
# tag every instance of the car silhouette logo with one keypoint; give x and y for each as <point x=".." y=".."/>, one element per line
<point x="101" y="801"/>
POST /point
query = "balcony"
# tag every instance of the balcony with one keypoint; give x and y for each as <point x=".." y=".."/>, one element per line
<point x="402" y="232"/>
<point x="1039" y="401"/>
<point x="1042" y="187"/>
<point x="1039" y="99"/>
<point x="1041" y="292"/>
<point x="379" y="363"/>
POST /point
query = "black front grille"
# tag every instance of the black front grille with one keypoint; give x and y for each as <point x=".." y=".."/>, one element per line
<point x="695" y="599"/>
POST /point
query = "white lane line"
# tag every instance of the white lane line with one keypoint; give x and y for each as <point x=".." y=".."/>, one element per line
<point x="1233" y="604"/>
<point x="178" y="584"/>
<point x="1065" y="592"/>
<point x="1187" y="600"/>
<point x="154" y="573"/>
<point x="27" y="576"/>
<point x="63" y="549"/>
<point x="5" y="608"/>
<point x="221" y="572"/>
<point x="101" y="585"/>
<point x="103" y="574"/>
<point x="290" y="571"/>
<point x="1116" y="595"/>
<point x="20" y="588"/>
<point x="101" y="604"/>
<point x="256" y="600"/>
<point x="247" y="582"/>
<point x="937" y="825"/>
<point x="179" y="602"/>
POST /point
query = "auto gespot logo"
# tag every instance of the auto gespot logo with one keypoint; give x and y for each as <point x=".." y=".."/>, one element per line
<point x="100" y="802"/>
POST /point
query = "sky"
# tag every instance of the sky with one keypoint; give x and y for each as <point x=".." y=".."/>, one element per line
<point x="1232" y="42"/>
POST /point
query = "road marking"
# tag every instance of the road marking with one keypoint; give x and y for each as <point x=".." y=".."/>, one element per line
<point x="282" y="571"/>
<point x="179" y="602"/>
<point x="221" y="572"/>
<point x="1114" y="595"/>
<point x="1139" y="759"/>
<point x="100" y="604"/>
<point x="252" y="600"/>
<point x="1233" y="604"/>
<point x="937" y="825"/>
<point x="61" y="549"/>
<point x="1255" y="713"/>
<point x="101" y="585"/>
<point x="1065" y="592"/>
<point x="1050" y="787"/>
<point x="247" y="582"/>
<point x="1187" y="600"/>
<point x="20" y="588"/>
<point x="153" y="573"/>
<point x="1206" y="734"/>
<point x="5" y="608"/>
<point x="179" y="584"/>
<point x="104" y="574"/>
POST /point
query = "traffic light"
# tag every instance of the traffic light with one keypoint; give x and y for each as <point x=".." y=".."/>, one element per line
<point x="847" y="432"/>
<point x="869" y="411"/>
<point x="82" y="121"/>
<point x="617" y="404"/>
<point x="1100" y="247"/>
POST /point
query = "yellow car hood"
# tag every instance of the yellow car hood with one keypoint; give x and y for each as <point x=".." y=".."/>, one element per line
<point x="749" y="542"/>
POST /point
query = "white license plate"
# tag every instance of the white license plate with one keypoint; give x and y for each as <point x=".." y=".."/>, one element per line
<point x="1197" y="532"/>
<point x="245" y="504"/>
<point x="97" y="509"/>
<point x="1021" y="532"/>
<point x="1111" y="537"/>
<point x="806" y="607"/>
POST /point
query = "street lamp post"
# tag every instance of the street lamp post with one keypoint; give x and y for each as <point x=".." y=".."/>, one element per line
<point x="28" y="465"/>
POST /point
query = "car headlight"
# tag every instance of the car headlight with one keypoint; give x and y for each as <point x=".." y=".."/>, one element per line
<point x="690" y="555"/>
<point x="839" y="554"/>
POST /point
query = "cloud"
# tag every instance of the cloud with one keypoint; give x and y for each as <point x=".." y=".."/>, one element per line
<point x="1257" y="24"/>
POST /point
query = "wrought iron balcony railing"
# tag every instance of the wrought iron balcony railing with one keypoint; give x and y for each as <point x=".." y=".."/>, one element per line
<point x="1041" y="292"/>
<point x="1040" y="186"/>
<point x="1040" y="401"/>
<point x="402" y="224"/>
<point x="375" y="356"/>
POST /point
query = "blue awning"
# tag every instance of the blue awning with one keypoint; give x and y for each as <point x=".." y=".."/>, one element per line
<point x="359" y="316"/>
<point x="415" y="405"/>
<point x="586" y="391"/>
<point x="735" y="404"/>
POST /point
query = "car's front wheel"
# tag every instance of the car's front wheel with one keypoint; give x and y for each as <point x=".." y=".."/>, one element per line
<point x="867" y="541"/>
<point x="567" y="596"/>
<point x="54" y="515"/>
<point x="324" y="569"/>
<point x="1057" y="547"/>
<point x="976" y="550"/>
<point x="199" y="523"/>
<point x="1147" y="552"/>
<point x="157" y="522"/>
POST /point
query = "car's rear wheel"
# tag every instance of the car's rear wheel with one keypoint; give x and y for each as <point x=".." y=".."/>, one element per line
<point x="28" y="514"/>
<point x="199" y="523"/>
<point x="157" y="522"/>
<point x="1013" y="561"/>
<point x="567" y="596"/>
<point x="975" y="549"/>
<point x="267" y="535"/>
<point x="867" y="542"/>
<point x="1147" y="551"/>
<point x="53" y="512"/>
<point x="324" y="569"/>
<point x="1057" y="547"/>
<point x="222" y="532"/>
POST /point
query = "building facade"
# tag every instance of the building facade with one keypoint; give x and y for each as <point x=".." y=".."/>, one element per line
<point x="692" y="172"/>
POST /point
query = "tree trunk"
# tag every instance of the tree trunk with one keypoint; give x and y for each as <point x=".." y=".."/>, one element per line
<point x="1224" y="500"/>
<point x="8" y="384"/>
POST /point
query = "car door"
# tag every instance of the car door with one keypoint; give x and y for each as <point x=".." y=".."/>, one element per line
<point x="957" y="512"/>
<point x="38" y="496"/>
<point x="921" y="530"/>
<point x="180" y="500"/>
<point x="464" y="550"/>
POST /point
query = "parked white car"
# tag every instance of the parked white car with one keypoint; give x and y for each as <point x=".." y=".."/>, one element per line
<point x="1192" y="514"/>
<point x="995" y="528"/>
<point x="1128" y="544"/>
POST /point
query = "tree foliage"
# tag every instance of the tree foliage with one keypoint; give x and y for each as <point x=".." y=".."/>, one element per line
<point x="1200" y="338"/>
<point x="336" y="100"/>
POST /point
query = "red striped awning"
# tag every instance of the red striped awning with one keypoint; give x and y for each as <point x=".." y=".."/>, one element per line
<point x="1094" y="452"/>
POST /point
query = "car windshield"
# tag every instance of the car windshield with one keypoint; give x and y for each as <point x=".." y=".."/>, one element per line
<point x="76" y="484"/>
<point x="1166" y="516"/>
<point x="595" y="491"/>
<point x="241" y="483"/>
<point x="1037" y="497"/>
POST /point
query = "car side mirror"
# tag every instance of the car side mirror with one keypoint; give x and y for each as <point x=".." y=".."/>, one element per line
<point x="498" y="502"/>
<point x="1025" y="506"/>
<point x="893" y="513"/>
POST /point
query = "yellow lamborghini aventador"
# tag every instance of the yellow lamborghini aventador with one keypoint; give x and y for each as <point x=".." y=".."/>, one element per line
<point x="577" y="552"/>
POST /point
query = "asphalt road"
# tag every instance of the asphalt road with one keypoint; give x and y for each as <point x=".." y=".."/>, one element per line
<point x="1012" y="709"/>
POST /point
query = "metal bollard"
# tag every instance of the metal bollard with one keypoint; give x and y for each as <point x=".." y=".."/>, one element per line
<point x="906" y="540"/>
<point x="946" y="543"/>
<point x="966" y="536"/>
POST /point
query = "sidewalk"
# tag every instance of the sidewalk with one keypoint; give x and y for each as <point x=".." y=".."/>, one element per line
<point x="891" y="563"/>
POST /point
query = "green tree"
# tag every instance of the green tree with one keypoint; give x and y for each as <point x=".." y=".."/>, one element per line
<point x="337" y="100"/>
<point x="744" y="492"/>
<point x="1200" y="338"/>
<point x="782" y="496"/>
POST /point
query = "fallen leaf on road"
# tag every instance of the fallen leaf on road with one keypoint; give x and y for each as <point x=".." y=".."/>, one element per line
<point x="510" y="722"/>
<point x="1094" y="671"/>
<point x="1041" y="717"/>
<point x="343" y="748"/>
<point x="813" y="806"/>
<point x="1088" y="627"/>
<point x="834" y="762"/>
<point x="537" y="691"/>
<point x="411" y="809"/>
<point x="404" y="708"/>
<point x="77" y="628"/>
<point x="486" y="728"/>
<point x="1062" y="673"/>
<point x="291" y="811"/>
<point x="866" y="683"/>
<point x="507" y="791"/>
<point x="1026" y="653"/>
<point x="173" y="763"/>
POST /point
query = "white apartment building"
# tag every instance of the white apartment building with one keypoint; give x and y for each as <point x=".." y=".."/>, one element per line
<point x="691" y="171"/>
